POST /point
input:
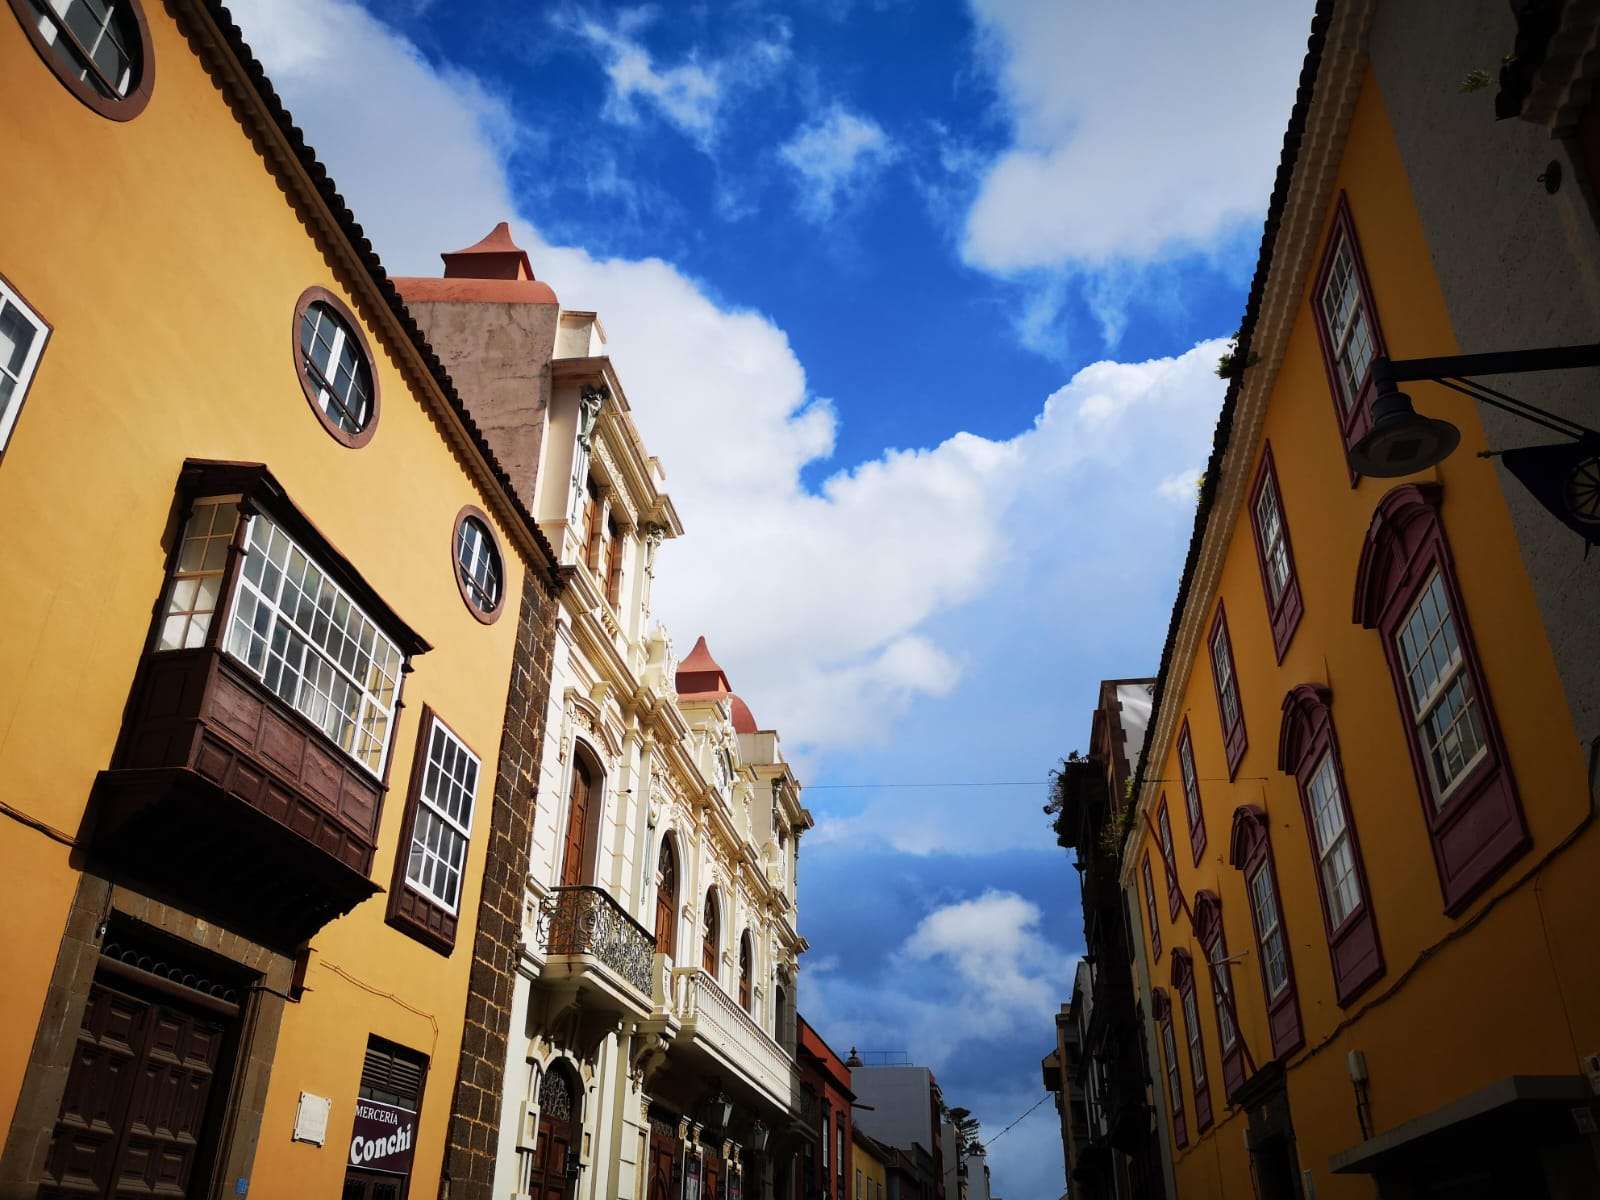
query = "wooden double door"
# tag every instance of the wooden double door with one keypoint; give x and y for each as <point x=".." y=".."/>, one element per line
<point x="133" y="1117"/>
<point x="663" y="1158"/>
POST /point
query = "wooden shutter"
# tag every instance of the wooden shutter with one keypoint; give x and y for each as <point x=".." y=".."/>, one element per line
<point x="577" y="826"/>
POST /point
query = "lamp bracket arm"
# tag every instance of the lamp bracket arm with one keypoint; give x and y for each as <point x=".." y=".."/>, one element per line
<point x="1500" y="362"/>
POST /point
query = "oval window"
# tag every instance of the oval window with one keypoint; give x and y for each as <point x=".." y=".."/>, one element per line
<point x="335" y="367"/>
<point x="480" y="571"/>
<point x="100" y="49"/>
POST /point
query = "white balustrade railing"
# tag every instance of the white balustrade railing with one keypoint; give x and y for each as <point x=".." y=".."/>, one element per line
<point x="720" y="1021"/>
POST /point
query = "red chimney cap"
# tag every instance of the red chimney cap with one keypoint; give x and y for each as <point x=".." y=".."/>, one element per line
<point x="495" y="257"/>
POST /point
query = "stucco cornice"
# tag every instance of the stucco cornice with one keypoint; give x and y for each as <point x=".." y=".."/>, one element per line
<point x="222" y="49"/>
<point x="1314" y="145"/>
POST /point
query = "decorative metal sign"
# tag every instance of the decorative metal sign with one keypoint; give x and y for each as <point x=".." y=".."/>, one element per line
<point x="384" y="1137"/>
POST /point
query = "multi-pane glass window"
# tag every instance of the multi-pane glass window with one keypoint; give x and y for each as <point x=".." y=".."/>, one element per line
<point x="96" y="40"/>
<point x="1174" y="1079"/>
<point x="311" y="645"/>
<point x="1443" y="702"/>
<point x="1274" y="545"/>
<point x="1222" y="992"/>
<point x="478" y="563"/>
<point x="1191" y="781"/>
<point x="336" y="367"/>
<point x="444" y="819"/>
<point x="1335" y="858"/>
<point x="1150" y="907"/>
<point x="1165" y="826"/>
<point x="1348" y="324"/>
<point x="22" y="337"/>
<point x="1191" y="1029"/>
<point x="193" y="594"/>
<point x="1269" y="931"/>
<point x="1222" y="672"/>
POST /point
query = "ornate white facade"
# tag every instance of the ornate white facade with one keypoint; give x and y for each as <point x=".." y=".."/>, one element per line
<point x="638" y="1053"/>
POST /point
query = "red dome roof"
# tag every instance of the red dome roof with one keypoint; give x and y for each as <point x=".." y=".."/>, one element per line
<point x="744" y="720"/>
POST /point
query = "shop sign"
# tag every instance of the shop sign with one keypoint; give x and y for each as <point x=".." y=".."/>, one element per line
<point x="384" y="1137"/>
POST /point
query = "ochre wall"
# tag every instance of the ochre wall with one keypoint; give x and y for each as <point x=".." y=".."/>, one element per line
<point x="169" y="258"/>
<point x="1490" y="1004"/>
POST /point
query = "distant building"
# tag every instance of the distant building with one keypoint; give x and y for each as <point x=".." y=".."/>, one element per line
<point x="871" y="1170"/>
<point x="902" y="1106"/>
<point x="826" y="1098"/>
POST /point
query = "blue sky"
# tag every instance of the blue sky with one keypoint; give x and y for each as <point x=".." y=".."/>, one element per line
<point x="919" y="305"/>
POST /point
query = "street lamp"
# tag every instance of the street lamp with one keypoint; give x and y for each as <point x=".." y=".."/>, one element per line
<point x="1563" y="476"/>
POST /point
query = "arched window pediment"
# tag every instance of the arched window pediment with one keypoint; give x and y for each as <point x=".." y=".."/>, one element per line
<point x="1249" y="834"/>
<point x="1404" y="521"/>
<point x="1207" y="916"/>
<point x="1182" y="968"/>
<point x="1307" y="710"/>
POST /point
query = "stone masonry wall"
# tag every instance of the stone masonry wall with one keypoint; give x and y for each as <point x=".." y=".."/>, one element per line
<point x="475" y="1107"/>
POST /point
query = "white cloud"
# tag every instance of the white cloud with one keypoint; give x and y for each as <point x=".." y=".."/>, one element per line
<point x="1136" y="129"/>
<point x="819" y="603"/>
<point x="838" y="154"/>
<point x="688" y="95"/>
<point x="1181" y="488"/>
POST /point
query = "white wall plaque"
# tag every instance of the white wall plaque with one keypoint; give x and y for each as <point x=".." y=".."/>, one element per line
<point x="311" y="1119"/>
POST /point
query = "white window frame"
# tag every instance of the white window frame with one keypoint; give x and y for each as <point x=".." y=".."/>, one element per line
<point x="1454" y="671"/>
<point x="1191" y="1033"/>
<point x="1150" y="894"/>
<point x="1227" y="686"/>
<point x="1329" y="840"/>
<point x="1274" y="544"/>
<point x="1264" y="899"/>
<point x="325" y="381"/>
<point x="1191" y="781"/>
<point x="1169" y="1046"/>
<point x="23" y="376"/>
<point x="431" y="804"/>
<point x="1341" y="335"/>
<point x="1222" y="992"/>
<point x="370" y="704"/>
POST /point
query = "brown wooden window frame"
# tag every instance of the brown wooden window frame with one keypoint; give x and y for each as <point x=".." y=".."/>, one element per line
<point x="711" y="934"/>
<point x="1213" y="938"/>
<point x="1169" y="858"/>
<point x="410" y="910"/>
<point x="1250" y="853"/>
<point x="1477" y="827"/>
<point x="1194" y="1037"/>
<point x="613" y="581"/>
<point x="1150" y="908"/>
<point x="1307" y="737"/>
<point x="1193" y="807"/>
<point x="1161" y="1009"/>
<point x="116" y="108"/>
<point x="667" y="888"/>
<point x="341" y="310"/>
<point x="1355" y="420"/>
<point x="747" y="969"/>
<point x="491" y="543"/>
<point x="1234" y="738"/>
<point x="594" y="510"/>
<point x="1285" y="610"/>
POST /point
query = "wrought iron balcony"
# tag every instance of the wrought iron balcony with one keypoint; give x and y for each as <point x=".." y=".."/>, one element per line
<point x="585" y="931"/>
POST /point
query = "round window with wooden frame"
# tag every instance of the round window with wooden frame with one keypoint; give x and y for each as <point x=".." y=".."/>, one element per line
<point x="99" y="49"/>
<point x="334" y="365"/>
<point x="479" y="566"/>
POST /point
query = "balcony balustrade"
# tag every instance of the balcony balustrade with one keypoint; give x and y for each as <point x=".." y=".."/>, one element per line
<point x="711" y="1020"/>
<point x="586" y="932"/>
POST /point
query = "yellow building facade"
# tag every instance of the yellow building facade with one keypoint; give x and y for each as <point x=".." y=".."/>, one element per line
<point x="1361" y="855"/>
<point x="870" y="1160"/>
<point x="265" y="590"/>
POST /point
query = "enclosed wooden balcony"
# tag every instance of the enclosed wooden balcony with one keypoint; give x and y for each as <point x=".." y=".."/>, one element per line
<point x="225" y="796"/>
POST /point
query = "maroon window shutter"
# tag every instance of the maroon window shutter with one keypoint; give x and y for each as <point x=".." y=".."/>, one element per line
<point x="1250" y="851"/>
<point x="1406" y="590"/>
<point x="572" y="863"/>
<point x="1225" y="679"/>
<point x="1150" y="909"/>
<point x="1162" y="1009"/>
<point x="1168" y="858"/>
<point x="1346" y="320"/>
<point x="1280" y="582"/>
<point x="1308" y="749"/>
<point x="1192" y="807"/>
<point x="1214" y="944"/>
<point x="1194" y="1036"/>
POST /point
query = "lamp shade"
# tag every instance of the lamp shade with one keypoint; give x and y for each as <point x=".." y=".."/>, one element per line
<point x="1401" y="440"/>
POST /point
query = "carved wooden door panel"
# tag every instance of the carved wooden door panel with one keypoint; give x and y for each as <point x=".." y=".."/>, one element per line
<point x="552" y="1150"/>
<point x="711" y="1187"/>
<point x="663" y="1157"/>
<point x="577" y="826"/>
<point x="135" y="1100"/>
<point x="667" y="900"/>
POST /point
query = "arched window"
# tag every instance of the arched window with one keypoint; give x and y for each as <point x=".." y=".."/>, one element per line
<point x="1183" y="984"/>
<point x="1250" y="851"/>
<point x="1406" y="589"/>
<point x="746" y="969"/>
<point x="1214" y="941"/>
<point x="582" y="809"/>
<point x="666" y="898"/>
<point x="780" y="1009"/>
<point x="1308" y="749"/>
<point x="713" y="933"/>
<point x="1161" y="1008"/>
